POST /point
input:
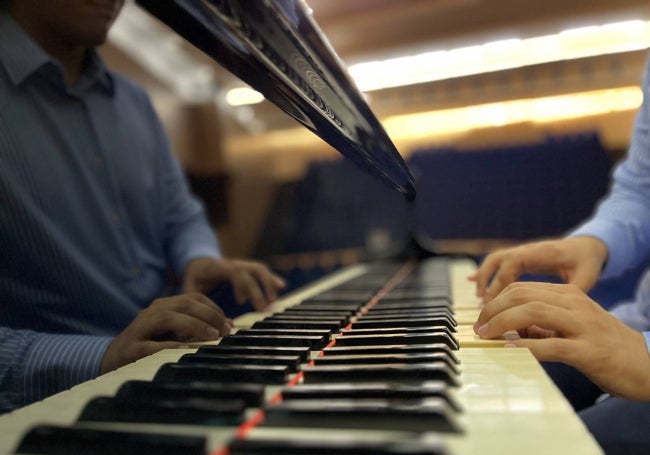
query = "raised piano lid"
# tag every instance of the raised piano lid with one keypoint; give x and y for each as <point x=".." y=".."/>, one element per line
<point x="277" y="48"/>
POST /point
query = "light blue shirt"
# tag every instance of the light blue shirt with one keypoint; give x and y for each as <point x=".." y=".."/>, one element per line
<point x="622" y="220"/>
<point x="94" y="213"/>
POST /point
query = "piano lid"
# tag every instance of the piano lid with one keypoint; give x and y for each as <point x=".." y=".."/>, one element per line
<point x="276" y="48"/>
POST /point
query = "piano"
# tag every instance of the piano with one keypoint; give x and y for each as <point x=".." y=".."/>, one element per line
<point x="415" y="381"/>
<point x="377" y="358"/>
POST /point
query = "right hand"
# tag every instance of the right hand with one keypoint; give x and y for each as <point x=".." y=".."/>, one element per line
<point x="168" y="322"/>
<point x="571" y="328"/>
<point x="576" y="260"/>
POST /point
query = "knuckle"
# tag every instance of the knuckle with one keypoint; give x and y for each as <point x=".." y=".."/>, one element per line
<point x="536" y="311"/>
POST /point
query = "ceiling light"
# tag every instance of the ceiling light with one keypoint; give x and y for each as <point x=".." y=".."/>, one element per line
<point x="536" y="110"/>
<point x="241" y="96"/>
<point x="501" y="55"/>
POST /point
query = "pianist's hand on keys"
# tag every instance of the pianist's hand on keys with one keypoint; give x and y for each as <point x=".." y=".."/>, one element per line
<point x="560" y="323"/>
<point x="166" y="324"/>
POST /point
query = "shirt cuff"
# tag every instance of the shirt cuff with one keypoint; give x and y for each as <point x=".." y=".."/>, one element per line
<point x="197" y="241"/>
<point x="647" y="340"/>
<point x="58" y="362"/>
<point x="618" y="250"/>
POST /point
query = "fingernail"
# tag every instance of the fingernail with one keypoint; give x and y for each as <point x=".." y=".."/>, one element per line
<point x="482" y="330"/>
<point x="212" y="333"/>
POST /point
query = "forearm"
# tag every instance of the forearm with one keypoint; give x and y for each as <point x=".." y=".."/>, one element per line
<point x="193" y="238"/>
<point x="35" y="365"/>
<point x="187" y="232"/>
<point x="622" y="219"/>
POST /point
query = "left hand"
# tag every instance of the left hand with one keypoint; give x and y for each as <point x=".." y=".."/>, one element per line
<point x="560" y="323"/>
<point x="250" y="280"/>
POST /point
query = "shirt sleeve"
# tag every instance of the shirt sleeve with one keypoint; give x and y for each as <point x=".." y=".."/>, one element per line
<point x="35" y="365"/>
<point x="622" y="218"/>
<point x="187" y="232"/>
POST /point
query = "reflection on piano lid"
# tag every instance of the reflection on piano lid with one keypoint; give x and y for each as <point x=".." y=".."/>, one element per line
<point x="276" y="48"/>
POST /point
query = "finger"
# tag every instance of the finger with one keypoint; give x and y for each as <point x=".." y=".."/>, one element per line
<point x="549" y="349"/>
<point x="521" y="293"/>
<point x="185" y="327"/>
<point x="514" y="295"/>
<point x="196" y="306"/>
<point x="508" y="272"/>
<point x="205" y="300"/>
<point x="583" y="278"/>
<point x="247" y="288"/>
<point x="534" y="313"/>
<point x="270" y="282"/>
<point x="483" y="274"/>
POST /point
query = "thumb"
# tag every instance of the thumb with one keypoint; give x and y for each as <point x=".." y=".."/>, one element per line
<point x="584" y="278"/>
<point x="190" y="285"/>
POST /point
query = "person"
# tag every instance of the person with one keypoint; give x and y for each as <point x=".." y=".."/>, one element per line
<point x="561" y="323"/>
<point x="95" y="213"/>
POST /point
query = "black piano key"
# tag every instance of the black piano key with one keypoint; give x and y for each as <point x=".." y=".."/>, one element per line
<point x="393" y="330"/>
<point x="391" y="349"/>
<point x="256" y="374"/>
<point x="403" y="372"/>
<point x="336" y="295"/>
<point x="361" y="390"/>
<point x="405" y="303"/>
<point x="361" y="359"/>
<point x="283" y="332"/>
<point x="325" y="309"/>
<point x="55" y="440"/>
<point x="303" y="352"/>
<point x="315" y="342"/>
<point x="335" y="446"/>
<point x="408" y="309"/>
<point x="414" y="294"/>
<point x="297" y="324"/>
<point x="412" y="338"/>
<point x="344" y="318"/>
<point x="427" y="414"/>
<point x="332" y="320"/>
<point x="341" y="305"/>
<point x="292" y="362"/>
<point x="188" y="411"/>
<point x="386" y="314"/>
<point x="251" y="394"/>
<point x="368" y="323"/>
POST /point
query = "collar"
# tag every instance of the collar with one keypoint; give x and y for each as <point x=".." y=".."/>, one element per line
<point x="21" y="57"/>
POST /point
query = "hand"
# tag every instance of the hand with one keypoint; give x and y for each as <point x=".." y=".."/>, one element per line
<point x="576" y="260"/>
<point x="560" y="323"/>
<point x="250" y="280"/>
<point x="167" y="323"/>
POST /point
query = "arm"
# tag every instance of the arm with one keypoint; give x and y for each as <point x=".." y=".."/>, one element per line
<point x="622" y="219"/>
<point x="35" y="365"/>
<point x="192" y="245"/>
<point x="618" y="233"/>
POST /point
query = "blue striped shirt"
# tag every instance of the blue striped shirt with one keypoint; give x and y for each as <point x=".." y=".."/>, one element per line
<point x="622" y="220"/>
<point x="94" y="212"/>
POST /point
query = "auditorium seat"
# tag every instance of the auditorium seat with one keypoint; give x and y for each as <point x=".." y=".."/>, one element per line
<point x="511" y="192"/>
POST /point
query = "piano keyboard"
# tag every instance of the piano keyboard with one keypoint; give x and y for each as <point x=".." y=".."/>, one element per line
<point x="353" y="364"/>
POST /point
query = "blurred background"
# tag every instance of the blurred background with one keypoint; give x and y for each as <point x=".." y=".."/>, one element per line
<point x="510" y="115"/>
